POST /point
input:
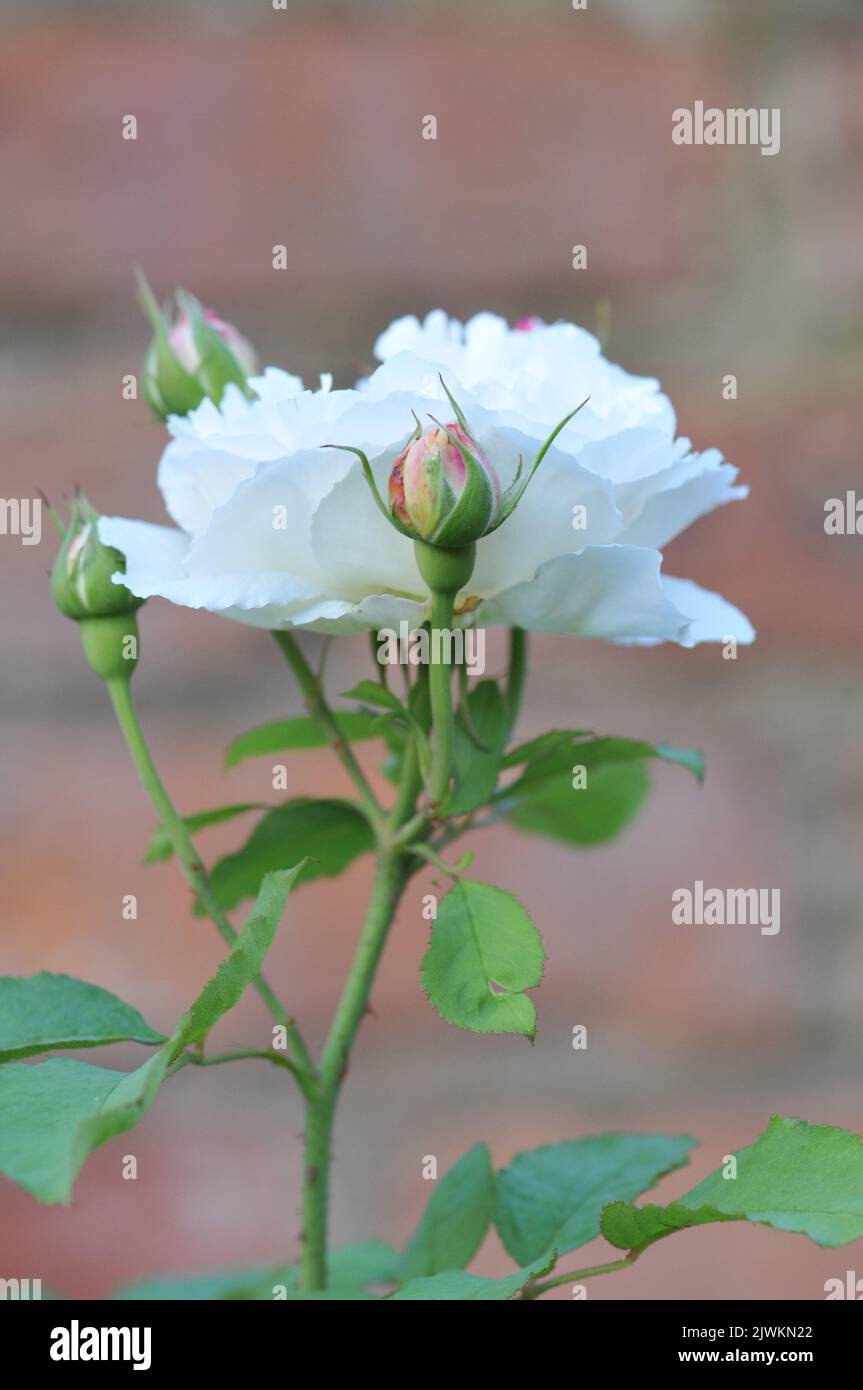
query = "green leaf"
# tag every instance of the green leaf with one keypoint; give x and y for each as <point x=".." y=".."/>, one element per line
<point x="245" y="957"/>
<point x="544" y="800"/>
<point x="632" y="1228"/>
<point x="555" y="744"/>
<point x="160" y="846"/>
<point x="476" y="769"/>
<point x="368" y="1262"/>
<point x="484" y="952"/>
<point x="56" y="1112"/>
<point x="285" y="735"/>
<point x="354" y="1267"/>
<point x="560" y="750"/>
<point x="331" y="832"/>
<point x="377" y="695"/>
<point x="795" y="1177"/>
<point x="552" y="1197"/>
<point x="589" y="816"/>
<point x="373" y="693"/>
<point x="454" y="1223"/>
<point x="46" y="1013"/>
<point x="457" y="1286"/>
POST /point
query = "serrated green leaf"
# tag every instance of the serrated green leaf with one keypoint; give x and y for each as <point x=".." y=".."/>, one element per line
<point x="476" y="769"/>
<point x="484" y="952"/>
<point x="287" y="735"/>
<point x="47" y="1013"/>
<point x="457" y="1286"/>
<point x="454" y="1224"/>
<point x="160" y="846"/>
<point x="632" y="1228"/>
<point x="331" y="832"/>
<point x="795" y="1177"/>
<point x="588" y="816"/>
<point x="56" y="1112"/>
<point x="245" y="958"/>
<point x="552" y="1197"/>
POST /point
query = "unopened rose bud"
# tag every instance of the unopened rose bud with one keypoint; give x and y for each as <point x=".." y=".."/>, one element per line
<point x="445" y="495"/>
<point x="528" y="324"/>
<point x="191" y="351"/>
<point x="443" y="489"/>
<point x="84" y="590"/>
<point x="196" y="356"/>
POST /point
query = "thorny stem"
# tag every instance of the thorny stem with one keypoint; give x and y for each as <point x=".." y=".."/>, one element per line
<point x="394" y="868"/>
<point x="193" y="867"/>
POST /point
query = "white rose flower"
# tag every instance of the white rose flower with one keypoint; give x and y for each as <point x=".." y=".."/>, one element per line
<point x="279" y="531"/>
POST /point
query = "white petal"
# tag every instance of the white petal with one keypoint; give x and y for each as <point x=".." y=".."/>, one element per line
<point x="266" y="525"/>
<point x="157" y="561"/>
<point x="610" y="591"/>
<point x="371" y="614"/>
<point x="356" y="547"/>
<point x="195" y="479"/>
<point x="543" y="373"/>
<point x="669" y="512"/>
<point x="711" y="617"/>
<point x="543" y="524"/>
<point x="154" y="554"/>
<point x="276" y="385"/>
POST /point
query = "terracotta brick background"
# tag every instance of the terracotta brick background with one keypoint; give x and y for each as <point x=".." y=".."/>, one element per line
<point x="261" y="127"/>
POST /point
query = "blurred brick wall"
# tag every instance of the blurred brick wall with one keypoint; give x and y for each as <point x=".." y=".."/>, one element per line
<point x="553" y="130"/>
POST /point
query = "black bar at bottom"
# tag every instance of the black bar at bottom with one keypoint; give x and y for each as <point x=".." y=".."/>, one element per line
<point x="71" y="1339"/>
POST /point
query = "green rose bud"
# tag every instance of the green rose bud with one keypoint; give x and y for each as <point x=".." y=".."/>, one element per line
<point x="193" y="357"/>
<point x="84" y="590"/>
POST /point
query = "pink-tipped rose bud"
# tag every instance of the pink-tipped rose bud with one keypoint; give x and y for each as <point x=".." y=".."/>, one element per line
<point x="443" y="489"/>
<point x="528" y="324"/>
<point x="182" y="340"/>
<point x="194" y="354"/>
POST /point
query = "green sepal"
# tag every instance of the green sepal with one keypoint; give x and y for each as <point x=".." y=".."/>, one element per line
<point x="106" y="642"/>
<point x="218" y="366"/>
<point x="518" y="486"/>
<point x="473" y="513"/>
<point x="168" y="387"/>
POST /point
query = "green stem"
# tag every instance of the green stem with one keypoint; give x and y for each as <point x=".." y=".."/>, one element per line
<point x="517" y="673"/>
<point x="440" y="691"/>
<point x="392" y="873"/>
<point x="576" y="1276"/>
<point x="196" y="1059"/>
<point x="390" y="878"/>
<point x="320" y="710"/>
<point x="192" y="865"/>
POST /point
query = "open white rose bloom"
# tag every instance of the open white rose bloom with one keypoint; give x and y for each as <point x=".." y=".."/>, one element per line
<point x="275" y="529"/>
